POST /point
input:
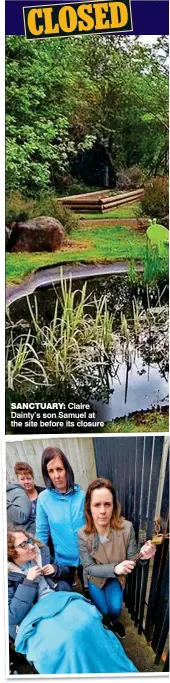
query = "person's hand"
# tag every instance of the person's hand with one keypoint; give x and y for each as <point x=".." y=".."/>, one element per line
<point x="33" y="573"/>
<point x="125" y="567"/>
<point x="147" y="551"/>
<point x="48" y="569"/>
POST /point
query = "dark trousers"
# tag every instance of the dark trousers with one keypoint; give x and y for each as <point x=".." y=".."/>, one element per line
<point x="72" y="572"/>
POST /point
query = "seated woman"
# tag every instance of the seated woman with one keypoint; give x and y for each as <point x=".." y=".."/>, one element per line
<point x="107" y="547"/>
<point x="59" y="631"/>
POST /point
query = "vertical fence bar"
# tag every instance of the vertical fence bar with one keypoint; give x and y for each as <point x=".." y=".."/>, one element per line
<point x="159" y="561"/>
<point x="163" y="636"/>
<point x="153" y="484"/>
<point x="161" y="610"/>
<point x="137" y="595"/>
<point x="140" y="583"/>
<point x="136" y="466"/>
<point x="139" y="446"/>
<point x="149" y="625"/>
<point x="166" y="665"/>
<point x="145" y="571"/>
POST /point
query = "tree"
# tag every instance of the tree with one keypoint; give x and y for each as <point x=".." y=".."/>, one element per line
<point x="67" y="98"/>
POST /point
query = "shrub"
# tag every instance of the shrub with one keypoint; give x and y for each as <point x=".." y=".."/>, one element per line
<point x="155" y="202"/>
<point x="130" y="178"/>
<point x="20" y="209"/>
<point x="78" y="187"/>
<point x="123" y="181"/>
<point x="49" y="206"/>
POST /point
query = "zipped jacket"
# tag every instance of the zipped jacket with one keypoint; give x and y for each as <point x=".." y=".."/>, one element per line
<point x="61" y="515"/>
<point x="23" y="593"/>
<point x="19" y="507"/>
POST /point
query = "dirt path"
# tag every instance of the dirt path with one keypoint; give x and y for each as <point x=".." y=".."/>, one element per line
<point x="111" y="222"/>
<point x="51" y="275"/>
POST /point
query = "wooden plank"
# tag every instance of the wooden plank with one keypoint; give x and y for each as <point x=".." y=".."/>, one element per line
<point x="124" y="195"/>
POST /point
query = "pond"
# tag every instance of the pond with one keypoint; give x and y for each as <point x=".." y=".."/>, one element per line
<point x="135" y="378"/>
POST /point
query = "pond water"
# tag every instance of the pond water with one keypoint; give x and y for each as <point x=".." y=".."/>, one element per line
<point x="138" y="377"/>
<point x="141" y="387"/>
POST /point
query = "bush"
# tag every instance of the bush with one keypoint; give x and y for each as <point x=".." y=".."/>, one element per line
<point x="49" y="206"/>
<point x="78" y="187"/>
<point x="130" y="178"/>
<point x="155" y="202"/>
<point x="20" y="209"/>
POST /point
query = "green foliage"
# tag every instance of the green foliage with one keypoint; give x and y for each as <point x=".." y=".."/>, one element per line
<point x="150" y="421"/>
<point x="65" y="351"/>
<point x="18" y="208"/>
<point x="49" y="206"/>
<point x="155" y="202"/>
<point x="79" y="187"/>
<point x="64" y="97"/>
<point x="155" y="266"/>
<point x="133" y="274"/>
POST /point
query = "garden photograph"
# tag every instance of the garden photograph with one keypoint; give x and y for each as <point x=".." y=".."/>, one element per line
<point x="86" y="234"/>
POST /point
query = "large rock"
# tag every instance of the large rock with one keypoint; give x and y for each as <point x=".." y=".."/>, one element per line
<point x="43" y="233"/>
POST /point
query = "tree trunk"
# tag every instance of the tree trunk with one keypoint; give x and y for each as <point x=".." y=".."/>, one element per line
<point x="106" y="175"/>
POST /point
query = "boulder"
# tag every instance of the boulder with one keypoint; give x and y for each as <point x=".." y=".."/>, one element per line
<point x="43" y="233"/>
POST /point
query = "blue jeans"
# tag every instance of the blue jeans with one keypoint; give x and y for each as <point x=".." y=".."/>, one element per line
<point x="109" y="598"/>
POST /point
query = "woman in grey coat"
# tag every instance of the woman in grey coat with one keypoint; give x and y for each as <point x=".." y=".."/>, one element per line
<point x="19" y="507"/>
<point x="108" y="549"/>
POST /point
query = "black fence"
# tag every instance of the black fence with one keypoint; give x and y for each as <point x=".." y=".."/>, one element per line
<point x="139" y="469"/>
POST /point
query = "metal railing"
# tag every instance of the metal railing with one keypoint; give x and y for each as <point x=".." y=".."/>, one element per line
<point x="139" y="469"/>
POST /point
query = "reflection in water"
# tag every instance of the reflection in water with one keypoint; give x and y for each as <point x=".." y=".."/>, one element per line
<point x="133" y="375"/>
<point x="136" y="386"/>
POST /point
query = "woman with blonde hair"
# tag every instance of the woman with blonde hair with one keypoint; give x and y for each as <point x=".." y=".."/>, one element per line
<point x="107" y="547"/>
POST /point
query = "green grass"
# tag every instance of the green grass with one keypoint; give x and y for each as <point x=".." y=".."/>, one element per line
<point x="127" y="211"/>
<point x="152" y="421"/>
<point x="100" y="244"/>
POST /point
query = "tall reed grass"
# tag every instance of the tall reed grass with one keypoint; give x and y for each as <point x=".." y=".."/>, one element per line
<point x="74" y="345"/>
<point x="81" y="347"/>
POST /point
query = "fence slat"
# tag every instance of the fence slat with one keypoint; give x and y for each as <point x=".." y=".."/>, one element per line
<point x="145" y="571"/>
<point x="166" y="665"/>
<point x="137" y="595"/>
<point x="163" y="636"/>
<point x="161" y="608"/>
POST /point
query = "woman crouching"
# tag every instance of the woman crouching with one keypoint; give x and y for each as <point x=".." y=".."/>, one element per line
<point x="107" y="547"/>
<point x="61" y="632"/>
